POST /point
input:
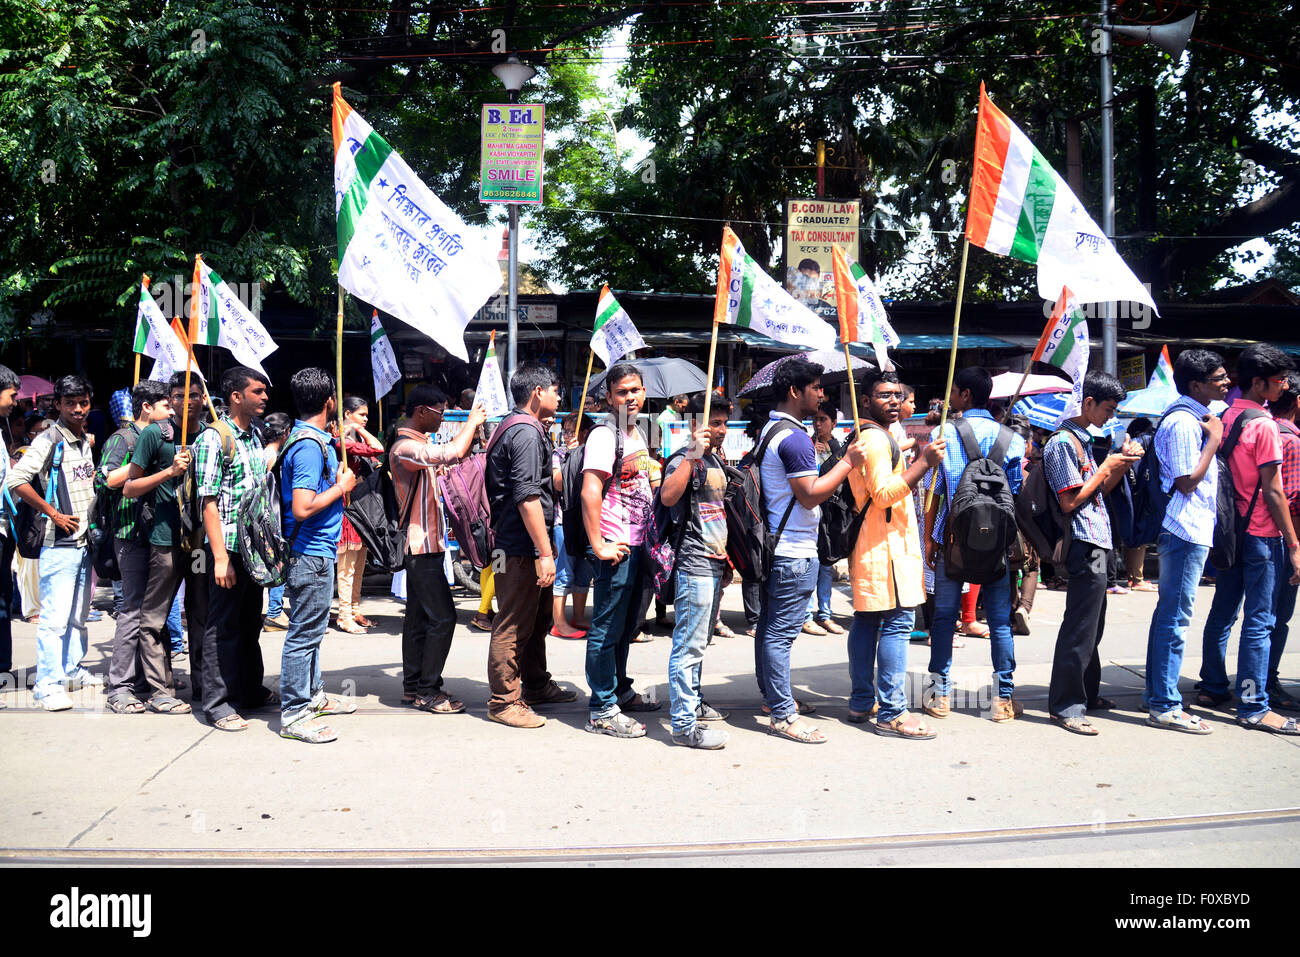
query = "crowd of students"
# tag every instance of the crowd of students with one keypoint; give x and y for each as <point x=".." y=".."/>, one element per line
<point x="176" y="506"/>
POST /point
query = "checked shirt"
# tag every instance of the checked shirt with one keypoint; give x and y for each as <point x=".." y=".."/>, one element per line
<point x="228" y="484"/>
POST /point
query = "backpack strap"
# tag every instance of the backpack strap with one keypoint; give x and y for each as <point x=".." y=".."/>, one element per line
<point x="1230" y="443"/>
<point x="1001" y="445"/>
<point x="509" y="422"/>
<point x="966" y="435"/>
<point x="782" y="425"/>
<point x="895" y="453"/>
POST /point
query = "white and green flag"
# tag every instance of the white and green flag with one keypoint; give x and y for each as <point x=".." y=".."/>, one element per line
<point x="222" y="320"/>
<point x="491" y="394"/>
<point x="613" y="336"/>
<point x="1064" y="344"/>
<point x="400" y="247"/>
<point x="383" y="363"/>
<point x="155" y="338"/>
<point x="747" y="296"/>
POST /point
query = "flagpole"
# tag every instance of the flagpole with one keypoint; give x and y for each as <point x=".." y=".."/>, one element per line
<point x="708" y="389"/>
<point x="952" y="360"/>
<point x="1023" y="379"/>
<point x="582" y="401"/>
<point x="145" y="282"/>
<point x="338" y="384"/>
<point x="189" y="365"/>
<point x="137" y="371"/>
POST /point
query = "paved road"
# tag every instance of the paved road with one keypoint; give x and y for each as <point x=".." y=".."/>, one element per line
<point x="396" y="780"/>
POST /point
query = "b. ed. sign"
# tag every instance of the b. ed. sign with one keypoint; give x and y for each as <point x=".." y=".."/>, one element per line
<point x="511" y="166"/>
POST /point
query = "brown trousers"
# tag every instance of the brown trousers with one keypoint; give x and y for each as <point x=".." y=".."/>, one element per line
<point x="518" y="646"/>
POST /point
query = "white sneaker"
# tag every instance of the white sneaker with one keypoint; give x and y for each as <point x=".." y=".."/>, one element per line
<point x="56" y="700"/>
<point x="81" y="678"/>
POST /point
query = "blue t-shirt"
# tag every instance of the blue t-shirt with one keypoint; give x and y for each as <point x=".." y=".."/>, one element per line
<point x="789" y="455"/>
<point x="302" y="468"/>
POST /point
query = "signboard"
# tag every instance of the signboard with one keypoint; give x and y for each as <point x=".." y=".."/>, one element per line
<point x="535" y="313"/>
<point x="811" y="227"/>
<point x="510" y="170"/>
<point x="1133" y="372"/>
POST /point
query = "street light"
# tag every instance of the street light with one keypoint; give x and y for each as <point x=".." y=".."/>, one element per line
<point x="513" y="74"/>
<point x="1172" y="38"/>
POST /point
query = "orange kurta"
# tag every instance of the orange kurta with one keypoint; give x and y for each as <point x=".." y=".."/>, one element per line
<point x="885" y="566"/>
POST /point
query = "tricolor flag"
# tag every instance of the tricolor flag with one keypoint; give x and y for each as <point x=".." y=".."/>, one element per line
<point x="613" y="336"/>
<point x="220" y="319"/>
<point x="156" y="339"/>
<point x="1020" y="207"/>
<point x="1163" y="377"/>
<point x="400" y="246"/>
<point x="862" y="314"/>
<point x="1064" y="344"/>
<point x="748" y="296"/>
<point x="383" y="363"/>
<point x="491" y="394"/>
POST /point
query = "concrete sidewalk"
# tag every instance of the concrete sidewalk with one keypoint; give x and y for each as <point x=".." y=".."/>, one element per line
<point x="404" y="780"/>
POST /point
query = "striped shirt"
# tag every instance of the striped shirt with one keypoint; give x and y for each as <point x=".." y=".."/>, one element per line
<point x="78" y="473"/>
<point x="411" y="456"/>
<point x="228" y="484"/>
<point x="1178" y="445"/>
<point x="1089" y="522"/>
<point x="1291" y="468"/>
<point x="986" y="431"/>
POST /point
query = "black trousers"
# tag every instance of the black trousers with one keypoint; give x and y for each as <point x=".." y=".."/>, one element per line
<point x="1076" y="665"/>
<point x="428" y="627"/>
<point x="6" y="599"/>
<point x="168" y="567"/>
<point x="232" y="656"/>
<point x="752" y="595"/>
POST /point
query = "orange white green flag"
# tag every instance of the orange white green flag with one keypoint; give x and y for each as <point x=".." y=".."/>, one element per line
<point x="155" y="338"/>
<point x="1020" y="207"/>
<point x="747" y="296"/>
<point x="1064" y="344"/>
<point x="401" y="248"/>
<point x="490" y="393"/>
<point x="862" y="314"/>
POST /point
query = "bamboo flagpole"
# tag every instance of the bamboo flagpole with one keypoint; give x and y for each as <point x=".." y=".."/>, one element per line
<point x="708" y="392"/>
<point x="189" y="365"/>
<point x="848" y="311"/>
<point x="582" y="400"/>
<point x="338" y="384"/>
<point x="952" y="360"/>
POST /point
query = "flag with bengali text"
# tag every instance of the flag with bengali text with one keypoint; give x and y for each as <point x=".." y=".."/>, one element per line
<point x="156" y="338"/>
<point x="383" y="363"/>
<point x="747" y="296"/>
<point x="219" y="318"/>
<point x="613" y="336"/>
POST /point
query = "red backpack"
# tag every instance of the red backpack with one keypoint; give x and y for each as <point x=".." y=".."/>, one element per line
<point x="464" y="496"/>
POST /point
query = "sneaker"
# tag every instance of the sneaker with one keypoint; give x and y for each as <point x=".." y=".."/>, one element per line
<point x="95" y="615"/>
<point x="707" y="739"/>
<point x="551" y="694"/>
<point x="811" y="627"/>
<point x="517" y="715"/>
<point x="706" y="712"/>
<point x="1020" y="622"/>
<point x="831" y="626"/>
<point x="57" y="700"/>
<point x="1006" y="709"/>
<point x="81" y="678"/>
<point x="279" y="623"/>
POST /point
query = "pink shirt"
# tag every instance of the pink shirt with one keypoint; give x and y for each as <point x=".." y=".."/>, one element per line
<point x="1259" y="445"/>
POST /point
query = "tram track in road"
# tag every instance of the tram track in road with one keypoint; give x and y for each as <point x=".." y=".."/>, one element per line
<point x="629" y="853"/>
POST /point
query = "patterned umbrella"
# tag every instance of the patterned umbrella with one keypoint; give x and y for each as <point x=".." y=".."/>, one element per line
<point x="664" y="377"/>
<point x="831" y="361"/>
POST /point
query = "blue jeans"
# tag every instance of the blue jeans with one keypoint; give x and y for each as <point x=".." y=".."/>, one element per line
<point x="275" y="601"/>
<point x="784" y="611"/>
<point x="617" y="587"/>
<point x="1251" y="578"/>
<point x="697" y="598"/>
<point x="879" y="636"/>
<point x="311" y="586"/>
<point x="1284" y="594"/>
<point x="997" y="609"/>
<point x="571" y="574"/>
<point x="175" y="631"/>
<point x="1180" y="574"/>
<point x="819" y="603"/>
<point x="65" y="601"/>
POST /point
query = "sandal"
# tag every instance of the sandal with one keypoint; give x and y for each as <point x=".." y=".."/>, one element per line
<point x="270" y="703"/>
<point x="1075" y="725"/>
<point x="1287" y="727"/>
<point x="906" y="725"/>
<point x="1101" y="704"/>
<point x="362" y="620"/>
<point x="862" y="717"/>
<point x="1141" y="584"/>
<point x="350" y="627"/>
<point x="309" y="730"/>
<point x="573" y="635"/>
<point x="957" y="640"/>
<point x="443" y="704"/>
<point x="1279" y="700"/>
<point x="125" y="704"/>
<point x="1205" y="699"/>
<point x="617" y="726"/>
<point x="336" y="704"/>
<point x="636" y="704"/>
<point x="1176" y="719"/>
<point x="803" y="707"/>
<point x="791" y="729"/>
<point x="166" y="704"/>
<point x="973" y="629"/>
<point x="231" y="722"/>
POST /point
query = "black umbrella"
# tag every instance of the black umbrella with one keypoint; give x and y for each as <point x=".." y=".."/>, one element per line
<point x="663" y="377"/>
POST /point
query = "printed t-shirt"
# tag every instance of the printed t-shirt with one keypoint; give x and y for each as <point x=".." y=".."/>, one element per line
<point x="704" y="540"/>
<point x="625" y="509"/>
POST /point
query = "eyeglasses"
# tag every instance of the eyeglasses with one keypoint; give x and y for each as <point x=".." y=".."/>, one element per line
<point x="886" y="396"/>
<point x="1221" y="377"/>
<point x="1279" y="380"/>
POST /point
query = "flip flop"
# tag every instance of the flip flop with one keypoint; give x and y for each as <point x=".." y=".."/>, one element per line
<point x="1076" y="725"/>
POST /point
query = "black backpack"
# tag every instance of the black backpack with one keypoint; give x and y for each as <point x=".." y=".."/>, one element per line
<point x="28" y="525"/>
<point x="750" y="545"/>
<point x="1039" y="515"/>
<point x="575" y="530"/>
<point x="1150" y="500"/>
<point x="841" y="520"/>
<point x="663" y="538"/>
<point x="981" y="525"/>
<point x="379" y="521"/>
<point x="1230" y="526"/>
